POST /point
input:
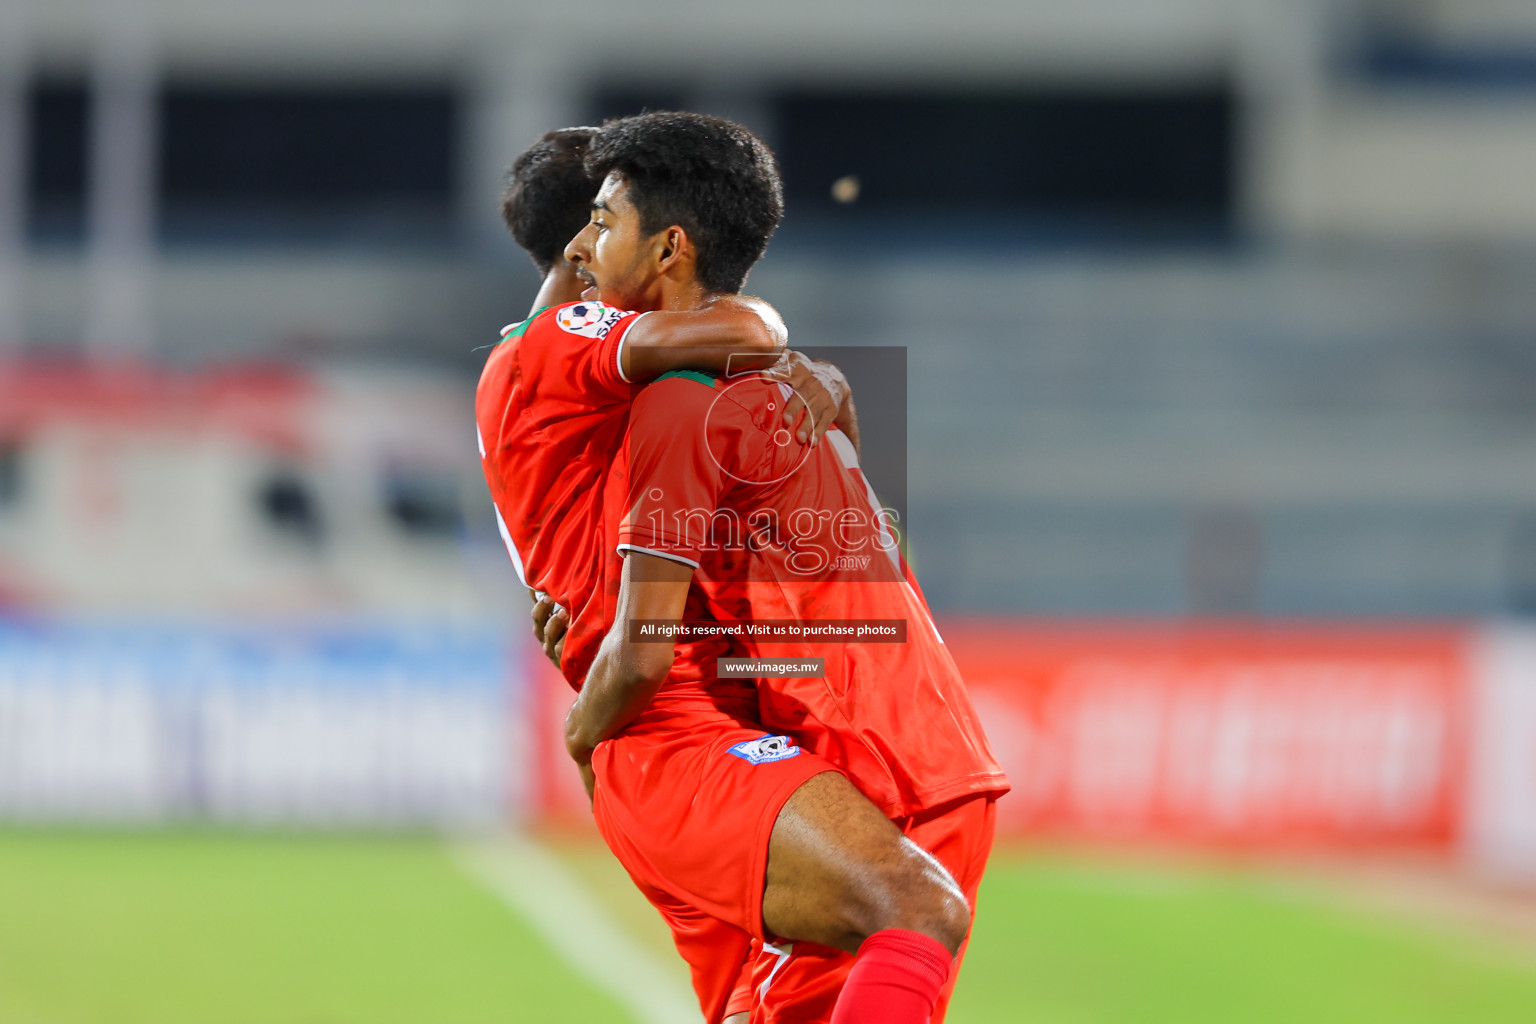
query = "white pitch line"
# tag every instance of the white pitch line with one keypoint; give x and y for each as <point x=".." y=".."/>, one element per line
<point x="549" y="897"/>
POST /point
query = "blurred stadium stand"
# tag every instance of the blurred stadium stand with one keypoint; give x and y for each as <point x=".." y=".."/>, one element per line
<point x="1075" y="420"/>
<point x="1168" y="261"/>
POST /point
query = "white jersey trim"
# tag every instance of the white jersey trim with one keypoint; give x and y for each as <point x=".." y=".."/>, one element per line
<point x="506" y="537"/>
<point x="618" y="353"/>
<point x="659" y="554"/>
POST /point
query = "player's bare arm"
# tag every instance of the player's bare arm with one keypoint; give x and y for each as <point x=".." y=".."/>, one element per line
<point x="728" y="333"/>
<point x="625" y="676"/>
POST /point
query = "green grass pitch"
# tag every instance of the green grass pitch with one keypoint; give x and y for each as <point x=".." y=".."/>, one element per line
<point x="232" y="928"/>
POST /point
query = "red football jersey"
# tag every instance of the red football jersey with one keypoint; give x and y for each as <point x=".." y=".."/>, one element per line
<point x="551" y="410"/>
<point x="777" y="530"/>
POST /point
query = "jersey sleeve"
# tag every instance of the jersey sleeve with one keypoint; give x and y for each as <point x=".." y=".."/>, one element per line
<point x="575" y="351"/>
<point x="675" y="473"/>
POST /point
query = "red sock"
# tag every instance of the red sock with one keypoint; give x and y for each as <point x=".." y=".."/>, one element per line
<point x="896" y="980"/>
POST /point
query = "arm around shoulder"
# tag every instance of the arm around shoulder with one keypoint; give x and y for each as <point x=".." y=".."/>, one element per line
<point x="730" y="333"/>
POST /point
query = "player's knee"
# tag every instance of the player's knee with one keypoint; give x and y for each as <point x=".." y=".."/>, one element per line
<point x="914" y="893"/>
<point x="942" y="915"/>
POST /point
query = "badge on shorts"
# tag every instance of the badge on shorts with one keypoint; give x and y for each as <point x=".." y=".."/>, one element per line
<point x="768" y="748"/>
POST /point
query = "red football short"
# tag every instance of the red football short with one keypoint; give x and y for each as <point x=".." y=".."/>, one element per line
<point x="686" y="798"/>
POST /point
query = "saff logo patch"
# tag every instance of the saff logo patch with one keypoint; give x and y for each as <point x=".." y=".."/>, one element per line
<point x="765" y="749"/>
<point x="589" y="319"/>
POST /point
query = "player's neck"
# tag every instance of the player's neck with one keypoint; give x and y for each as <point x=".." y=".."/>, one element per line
<point x="680" y="295"/>
<point x="673" y="292"/>
<point x="676" y="289"/>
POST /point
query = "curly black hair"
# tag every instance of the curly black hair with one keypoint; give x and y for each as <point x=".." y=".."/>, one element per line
<point x="549" y="193"/>
<point x="711" y="177"/>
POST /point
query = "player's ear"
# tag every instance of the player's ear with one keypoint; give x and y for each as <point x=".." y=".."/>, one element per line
<point x="673" y="247"/>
